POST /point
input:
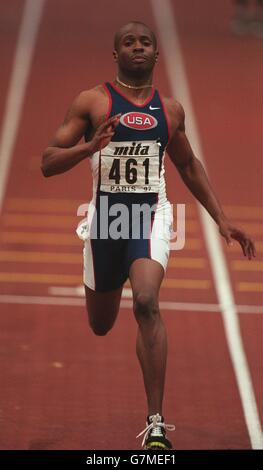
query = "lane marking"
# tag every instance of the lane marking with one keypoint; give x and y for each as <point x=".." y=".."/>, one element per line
<point x="236" y="248"/>
<point x="183" y="262"/>
<point x="66" y="205"/>
<point x="244" y="212"/>
<point x="172" y="52"/>
<point x="172" y="283"/>
<point x="186" y="283"/>
<point x="77" y="291"/>
<point x="199" y="307"/>
<point x="63" y="221"/>
<point x="250" y="286"/>
<point x="169" y="283"/>
<point x="251" y="228"/>
<point x="80" y="301"/>
<point x="25" y="48"/>
<point x="238" y="265"/>
<point x="193" y="244"/>
<point x="66" y="279"/>
<point x="40" y="278"/>
<point x="40" y="257"/>
<point x="33" y="220"/>
<point x="41" y="300"/>
<point x="76" y="258"/>
<point x="127" y="293"/>
<point x="40" y="238"/>
<point x="46" y="205"/>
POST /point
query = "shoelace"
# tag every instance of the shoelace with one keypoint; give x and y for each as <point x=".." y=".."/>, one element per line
<point x="156" y="426"/>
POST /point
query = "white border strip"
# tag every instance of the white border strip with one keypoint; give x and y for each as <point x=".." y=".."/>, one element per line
<point x="15" y="98"/>
<point x="60" y="299"/>
<point x="164" y="17"/>
<point x="41" y="300"/>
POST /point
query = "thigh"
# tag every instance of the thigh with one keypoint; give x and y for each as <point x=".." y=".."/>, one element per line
<point x="146" y="276"/>
<point x="104" y="267"/>
<point x="153" y="245"/>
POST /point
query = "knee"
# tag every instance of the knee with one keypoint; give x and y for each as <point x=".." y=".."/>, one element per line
<point x="100" y="324"/>
<point x="146" y="306"/>
<point x="99" y="330"/>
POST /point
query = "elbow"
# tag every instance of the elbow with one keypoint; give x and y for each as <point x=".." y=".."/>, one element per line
<point x="44" y="171"/>
<point x="45" y="168"/>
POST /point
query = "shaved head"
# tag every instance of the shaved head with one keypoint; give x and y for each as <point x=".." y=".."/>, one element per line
<point x="127" y="27"/>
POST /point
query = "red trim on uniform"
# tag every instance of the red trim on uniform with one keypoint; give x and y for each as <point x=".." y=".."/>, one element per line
<point x="130" y="101"/>
<point x="166" y="118"/>
<point x="152" y="222"/>
<point x="110" y="101"/>
<point x="93" y="264"/>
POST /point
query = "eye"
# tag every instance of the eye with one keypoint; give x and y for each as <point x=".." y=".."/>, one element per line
<point x="128" y="42"/>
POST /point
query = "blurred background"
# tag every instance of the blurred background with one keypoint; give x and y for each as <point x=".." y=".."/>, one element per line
<point x="62" y="387"/>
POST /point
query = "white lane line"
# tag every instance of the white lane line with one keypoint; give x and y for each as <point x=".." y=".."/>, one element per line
<point x="17" y="88"/>
<point x="199" y="307"/>
<point x="127" y="293"/>
<point x="164" y="305"/>
<point x="164" y="17"/>
<point x="79" y="291"/>
<point x="41" y="300"/>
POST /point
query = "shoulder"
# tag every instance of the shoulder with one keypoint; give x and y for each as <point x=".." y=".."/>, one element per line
<point x="86" y="100"/>
<point x="175" y="113"/>
<point x="173" y="107"/>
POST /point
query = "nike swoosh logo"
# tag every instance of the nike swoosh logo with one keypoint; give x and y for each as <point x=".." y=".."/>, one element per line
<point x="152" y="109"/>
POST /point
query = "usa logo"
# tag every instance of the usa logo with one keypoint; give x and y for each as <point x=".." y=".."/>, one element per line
<point x="138" y="121"/>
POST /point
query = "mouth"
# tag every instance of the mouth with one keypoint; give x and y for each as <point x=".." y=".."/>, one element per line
<point x="138" y="59"/>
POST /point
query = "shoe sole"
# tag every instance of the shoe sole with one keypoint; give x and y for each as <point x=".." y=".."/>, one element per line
<point x="156" y="446"/>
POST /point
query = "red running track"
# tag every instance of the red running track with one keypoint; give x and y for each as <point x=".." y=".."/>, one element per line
<point x="62" y="387"/>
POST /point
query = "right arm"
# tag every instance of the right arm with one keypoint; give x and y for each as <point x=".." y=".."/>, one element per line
<point x="62" y="154"/>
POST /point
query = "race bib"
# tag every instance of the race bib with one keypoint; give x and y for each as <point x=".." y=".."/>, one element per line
<point x="130" y="167"/>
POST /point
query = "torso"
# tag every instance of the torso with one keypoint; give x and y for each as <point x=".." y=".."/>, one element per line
<point x="132" y="164"/>
<point x="99" y="103"/>
<point x="136" y="151"/>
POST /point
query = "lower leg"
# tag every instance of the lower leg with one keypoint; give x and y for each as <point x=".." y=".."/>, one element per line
<point x="151" y="348"/>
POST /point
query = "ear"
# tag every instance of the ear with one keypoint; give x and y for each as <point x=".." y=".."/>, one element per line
<point x="115" y="56"/>
<point x="156" y="56"/>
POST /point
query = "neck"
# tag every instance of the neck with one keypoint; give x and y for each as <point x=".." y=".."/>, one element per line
<point x="132" y="87"/>
<point x="136" y="79"/>
<point x="137" y="87"/>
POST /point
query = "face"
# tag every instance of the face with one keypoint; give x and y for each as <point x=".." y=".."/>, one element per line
<point x="136" y="53"/>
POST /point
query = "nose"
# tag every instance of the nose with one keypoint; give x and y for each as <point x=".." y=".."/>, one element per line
<point x="138" y="46"/>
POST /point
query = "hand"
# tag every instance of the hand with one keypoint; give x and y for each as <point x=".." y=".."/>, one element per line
<point x="229" y="231"/>
<point x="104" y="133"/>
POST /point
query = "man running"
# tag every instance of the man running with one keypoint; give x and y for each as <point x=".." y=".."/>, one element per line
<point x="127" y="127"/>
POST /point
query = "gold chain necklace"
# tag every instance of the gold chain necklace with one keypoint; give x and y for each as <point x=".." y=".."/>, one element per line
<point x="131" y="86"/>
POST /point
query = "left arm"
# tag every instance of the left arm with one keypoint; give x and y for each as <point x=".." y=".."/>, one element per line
<point x="193" y="174"/>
